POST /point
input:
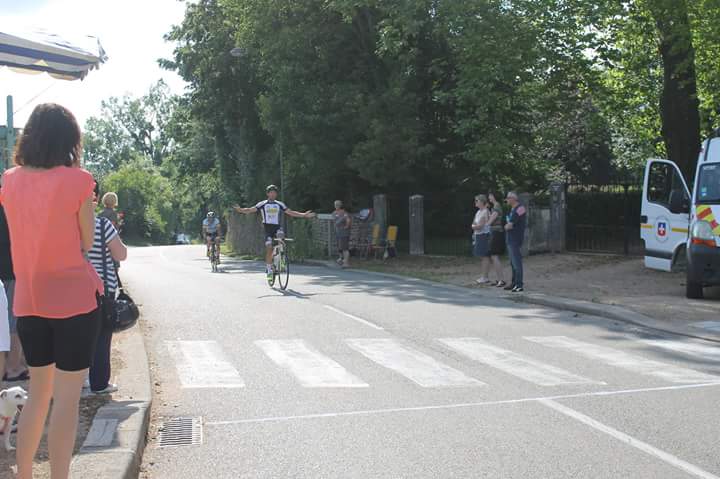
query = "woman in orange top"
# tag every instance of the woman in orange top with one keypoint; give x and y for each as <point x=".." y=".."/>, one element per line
<point x="48" y="203"/>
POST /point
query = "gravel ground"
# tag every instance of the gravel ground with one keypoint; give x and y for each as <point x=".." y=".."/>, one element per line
<point x="88" y="407"/>
<point x="614" y="280"/>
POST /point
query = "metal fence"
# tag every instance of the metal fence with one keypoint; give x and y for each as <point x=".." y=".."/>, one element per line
<point x="604" y="218"/>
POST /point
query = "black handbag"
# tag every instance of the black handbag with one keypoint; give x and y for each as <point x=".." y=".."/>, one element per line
<point x="126" y="311"/>
<point x="118" y="313"/>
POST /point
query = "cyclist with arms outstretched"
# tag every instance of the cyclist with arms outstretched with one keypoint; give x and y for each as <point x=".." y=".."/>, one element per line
<point x="272" y="212"/>
<point x="211" y="229"/>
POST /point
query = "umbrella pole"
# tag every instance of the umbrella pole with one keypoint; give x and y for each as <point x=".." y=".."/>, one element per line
<point x="9" y="135"/>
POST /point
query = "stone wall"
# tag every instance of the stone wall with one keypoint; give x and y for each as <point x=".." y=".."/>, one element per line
<point x="538" y="235"/>
<point x="245" y="234"/>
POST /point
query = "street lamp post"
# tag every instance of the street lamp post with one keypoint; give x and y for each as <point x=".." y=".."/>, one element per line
<point x="239" y="52"/>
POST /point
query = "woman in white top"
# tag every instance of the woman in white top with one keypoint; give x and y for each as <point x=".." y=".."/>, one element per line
<point x="481" y="237"/>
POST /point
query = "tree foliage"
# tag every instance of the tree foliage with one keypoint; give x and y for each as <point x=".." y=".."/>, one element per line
<point x="344" y="98"/>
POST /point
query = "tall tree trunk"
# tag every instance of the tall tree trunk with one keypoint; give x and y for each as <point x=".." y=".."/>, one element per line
<point x="679" y="105"/>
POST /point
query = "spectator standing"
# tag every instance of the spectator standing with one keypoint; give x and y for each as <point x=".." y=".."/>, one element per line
<point x="15" y="368"/>
<point x="515" y="229"/>
<point x="48" y="200"/>
<point x="497" y="238"/>
<point x="4" y="331"/>
<point x="103" y="260"/>
<point x="110" y="203"/>
<point x="481" y="237"/>
<point x="343" y="227"/>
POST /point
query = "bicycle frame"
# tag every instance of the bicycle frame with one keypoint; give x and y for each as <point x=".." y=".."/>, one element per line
<point x="278" y="249"/>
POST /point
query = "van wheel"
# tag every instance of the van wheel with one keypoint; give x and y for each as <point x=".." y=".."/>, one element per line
<point x="693" y="290"/>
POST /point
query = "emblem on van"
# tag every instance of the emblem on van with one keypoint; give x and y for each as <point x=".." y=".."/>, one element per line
<point x="661" y="230"/>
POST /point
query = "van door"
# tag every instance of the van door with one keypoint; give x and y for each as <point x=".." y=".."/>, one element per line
<point x="665" y="213"/>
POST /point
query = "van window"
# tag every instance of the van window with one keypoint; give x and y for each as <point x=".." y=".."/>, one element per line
<point x="709" y="184"/>
<point x="662" y="182"/>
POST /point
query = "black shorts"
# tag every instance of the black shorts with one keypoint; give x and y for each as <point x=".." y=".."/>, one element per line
<point x="497" y="243"/>
<point x="211" y="236"/>
<point x="343" y="243"/>
<point x="270" y="233"/>
<point x="67" y="343"/>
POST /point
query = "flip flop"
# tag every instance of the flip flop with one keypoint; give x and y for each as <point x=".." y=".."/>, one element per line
<point x="23" y="376"/>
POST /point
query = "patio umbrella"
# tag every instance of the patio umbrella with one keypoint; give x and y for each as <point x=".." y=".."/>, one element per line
<point x="37" y="51"/>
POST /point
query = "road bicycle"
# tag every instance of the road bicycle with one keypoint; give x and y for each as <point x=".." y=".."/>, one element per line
<point x="214" y="256"/>
<point x="280" y="262"/>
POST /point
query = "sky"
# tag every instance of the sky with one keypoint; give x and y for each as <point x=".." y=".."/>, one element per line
<point x="130" y="31"/>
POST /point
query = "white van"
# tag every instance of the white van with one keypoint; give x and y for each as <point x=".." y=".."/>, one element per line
<point x="675" y="222"/>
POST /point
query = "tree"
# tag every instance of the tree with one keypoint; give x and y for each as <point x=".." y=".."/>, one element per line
<point x="679" y="103"/>
<point x="128" y="128"/>
<point x="145" y="199"/>
<point x="411" y="96"/>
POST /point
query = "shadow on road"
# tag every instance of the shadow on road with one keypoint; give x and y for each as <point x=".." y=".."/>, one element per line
<point x="318" y="279"/>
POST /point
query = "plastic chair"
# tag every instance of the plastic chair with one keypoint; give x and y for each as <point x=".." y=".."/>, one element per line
<point x="390" y="241"/>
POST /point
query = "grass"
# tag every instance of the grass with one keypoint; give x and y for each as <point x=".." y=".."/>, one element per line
<point x="412" y="267"/>
<point x="226" y="250"/>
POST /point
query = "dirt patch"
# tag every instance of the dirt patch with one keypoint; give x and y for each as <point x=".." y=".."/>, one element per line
<point x="89" y="406"/>
<point x="613" y="280"/>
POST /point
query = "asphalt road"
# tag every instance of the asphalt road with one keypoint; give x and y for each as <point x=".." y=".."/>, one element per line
<point x="352" y="375"/>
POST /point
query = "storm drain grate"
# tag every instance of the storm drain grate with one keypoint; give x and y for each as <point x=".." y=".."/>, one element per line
<point x="181" y="431"/>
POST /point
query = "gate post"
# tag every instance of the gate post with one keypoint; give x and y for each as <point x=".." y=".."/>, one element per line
<point x="558" y="215"/>
<point x="526" y="200"/>
<point x="417" y="225"/>
<point x="628" y="220"/>
<point x="380" y="210"/>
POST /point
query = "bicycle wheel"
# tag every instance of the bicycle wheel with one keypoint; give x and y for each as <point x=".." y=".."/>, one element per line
<point x="213" y="263"/>
<point x="271" y="278"/>
<point x="284" y="273"/>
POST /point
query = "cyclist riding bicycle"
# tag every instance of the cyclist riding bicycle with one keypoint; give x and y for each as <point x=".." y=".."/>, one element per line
<point x="272" y="213"/>
<point x="211" y="231"/>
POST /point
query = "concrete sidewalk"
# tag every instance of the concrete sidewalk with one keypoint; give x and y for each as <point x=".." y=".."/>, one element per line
<point x="114" y="446"/>
<point x="616" y="288"/>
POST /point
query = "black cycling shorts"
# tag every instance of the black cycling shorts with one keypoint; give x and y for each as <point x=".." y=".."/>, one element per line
<point x="68" y="343"/>
<point x="270" y="232"/>
<point x="211" y="236"/>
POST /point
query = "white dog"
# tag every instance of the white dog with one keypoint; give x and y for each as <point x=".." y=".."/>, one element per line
<point x="11" y="401"/>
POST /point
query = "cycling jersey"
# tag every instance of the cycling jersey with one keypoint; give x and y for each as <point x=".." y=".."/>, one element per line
<point x="272" y="211"/>
<point x="211" y="226"/>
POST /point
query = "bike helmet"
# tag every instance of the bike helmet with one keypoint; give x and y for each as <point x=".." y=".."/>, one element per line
<point x="271" y="188"/>
<point x="210" y="214"/>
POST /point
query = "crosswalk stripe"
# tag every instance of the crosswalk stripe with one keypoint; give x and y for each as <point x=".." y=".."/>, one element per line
<point x="513" y="363"/>
<point x="713" y="326"/>
<point x="311" y="368"/>
<point x="629" y="362"/>
<point x="414" y="365"/>
<point x="202" y="364"/>
<point x="711" y="353"/>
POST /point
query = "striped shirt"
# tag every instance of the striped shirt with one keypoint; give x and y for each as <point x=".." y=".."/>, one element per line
<point x="95" y="254"/>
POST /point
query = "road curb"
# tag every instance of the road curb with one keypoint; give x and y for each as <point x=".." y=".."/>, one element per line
<point x="612" y="312"/>
<point x="616" y="313"/>
<point x="115" y="444"/>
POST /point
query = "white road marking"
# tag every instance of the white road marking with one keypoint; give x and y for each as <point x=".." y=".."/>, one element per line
<point x="202" y="364"/>
<point x="311" y="368"/>
<point x="355" y="318"/>
<point x="512" y="363"/>
<point x="627" y="361"/>
<point x="414" y="365"/>
<point x="629" y="440"/>
<point x="711" y="353"/>
<point x="440" y="407"/>
<point x="707" y="325"/>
